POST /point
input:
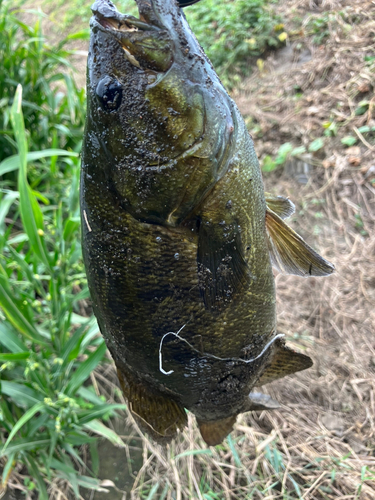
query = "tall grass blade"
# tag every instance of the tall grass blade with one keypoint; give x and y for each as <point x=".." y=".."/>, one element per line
<point x="14" y="356"/>
<point x="33" y="468"/>
<point x="25" y="445"/>
<point x="22" y="421"/>
<point x="99" y="428"/>
<point x="81" y="374"/>
<point x="99" y="411"/>
<point x="10" y="340"/>
<point x="15" y="316"/>
<point x="13" y="163"/>
<point x="21" y="394"/>
<point x="31" y="214"/>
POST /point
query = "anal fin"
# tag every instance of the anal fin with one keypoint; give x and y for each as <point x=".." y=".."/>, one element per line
<point x="290" y="254"/>
<point x="156" y="414"/>
<point x="214" y="432"/>
<point x="284" y="362"/>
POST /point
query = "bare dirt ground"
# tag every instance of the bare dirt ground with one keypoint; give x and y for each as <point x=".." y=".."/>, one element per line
<point x="321" y="443"/>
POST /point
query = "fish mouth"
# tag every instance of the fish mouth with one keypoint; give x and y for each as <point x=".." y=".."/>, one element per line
<point x="109" y="18"/>
<point x="146" y="42"/>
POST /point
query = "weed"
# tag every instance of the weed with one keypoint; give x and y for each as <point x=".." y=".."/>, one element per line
<point x="230" y="32"/>
<point x="53" y="105"/>
<point x="48" y="349"/>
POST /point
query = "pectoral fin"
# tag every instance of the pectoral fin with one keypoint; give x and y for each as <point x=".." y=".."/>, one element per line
<point x="214" y="432"/>
<point x="258" y="402"/>
<point x="154" y="412"/>
<point x="289" y="253"/>
<point x="222" y="269"/>
<point x="284" y="362"/>
<point x="282" y="207"/>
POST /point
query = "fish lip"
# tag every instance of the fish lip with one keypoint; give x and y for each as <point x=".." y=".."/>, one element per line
<point x="106" y="16"/>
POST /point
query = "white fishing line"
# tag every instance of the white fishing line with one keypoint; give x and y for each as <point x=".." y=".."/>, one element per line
<point x="87" y="221"/>
<point x="177" y="334"/>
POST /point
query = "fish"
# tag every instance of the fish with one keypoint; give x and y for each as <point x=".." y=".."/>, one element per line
<point x="179" y="237"/>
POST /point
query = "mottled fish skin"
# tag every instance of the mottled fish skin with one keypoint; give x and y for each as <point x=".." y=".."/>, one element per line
<point x="174" y="224"/>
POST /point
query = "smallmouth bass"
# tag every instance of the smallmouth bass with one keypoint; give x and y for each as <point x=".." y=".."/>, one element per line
<point x="179" y="237"/>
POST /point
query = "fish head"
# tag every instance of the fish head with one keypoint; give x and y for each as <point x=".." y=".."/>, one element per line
<point x="159" y="123"/>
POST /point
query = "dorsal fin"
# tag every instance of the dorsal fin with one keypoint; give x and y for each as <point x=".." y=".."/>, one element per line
<point x="282" y="207"/>
<point x="289" y="252"/>
<point x="284" y="362"/>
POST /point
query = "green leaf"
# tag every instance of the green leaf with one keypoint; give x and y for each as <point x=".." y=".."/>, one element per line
<point x="99" y="428"/>
<point x="15" y="356"/>
<point x="364" y="130"/>
<point x="283" y="153"/>
<point x="235" y="454"/>
<point x="349" y="140"/>
<point x="268" y="164"/>
<point x="8" y="467"/>
<point x="31" y="214"/>
<point x="71" y="228"/>
<point x="6" y="203"/>
<point x="22" y="421"/>
<point x="98" y="411"/>
<point x="85" y="393"/>
<point x="10" y="340"/>
<point x="13" y="163"/>
<point x="94" y="457"/>
<point x="298" y="151"/>
<point x="76" y="438"/>
<point x="21" y="394"/>
<point x="316" y="145"/>
<point x="193" y="452"/>
<point x="72" y="348"/>
<point x="153" y="491"/>
<point x="83" y="372"/>
<point x="15" y="316"/>
<point x="25" y="445"/>
<point x="35" y="474"/>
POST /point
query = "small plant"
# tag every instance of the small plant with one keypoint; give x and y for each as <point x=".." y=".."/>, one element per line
<point x="53" y="105"/>
<point x="48" y="348"/>
<point x="232" y="31"/>
<point x="285" y="151"/>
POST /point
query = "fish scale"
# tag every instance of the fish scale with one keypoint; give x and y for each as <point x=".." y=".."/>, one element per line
<point x="178" y="236"/>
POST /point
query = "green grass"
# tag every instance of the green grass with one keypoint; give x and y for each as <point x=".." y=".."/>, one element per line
<point x="49" y="343"/>
<point x="52" y="104"/>
<point x="48" y="349"/>
<point x="232" y="32"/>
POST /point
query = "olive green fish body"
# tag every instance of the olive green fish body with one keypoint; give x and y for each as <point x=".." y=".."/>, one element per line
<point x="144" y="283"/>
<point x="176" y="229"/>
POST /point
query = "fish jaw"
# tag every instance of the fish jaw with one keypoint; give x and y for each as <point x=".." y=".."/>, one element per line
<point x="168" y="137"/>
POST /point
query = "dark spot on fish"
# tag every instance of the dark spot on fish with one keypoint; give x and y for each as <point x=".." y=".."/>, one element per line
<point x="310" y="269"/>
<point x="109" y="93"/>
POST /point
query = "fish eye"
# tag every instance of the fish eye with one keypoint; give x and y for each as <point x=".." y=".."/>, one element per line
<point x="109" y="93"/>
